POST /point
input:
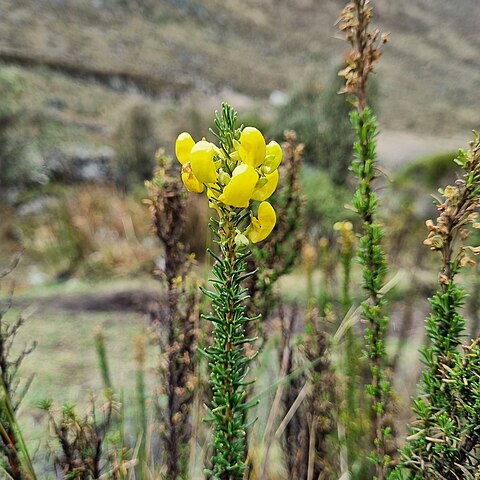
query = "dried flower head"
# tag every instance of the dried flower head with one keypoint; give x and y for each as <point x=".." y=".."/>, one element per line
<point x="354" y="22"/>
<point x="457" y="209"/>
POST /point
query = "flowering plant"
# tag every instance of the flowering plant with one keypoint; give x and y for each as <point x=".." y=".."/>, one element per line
<point x="241" y="170"/>
<point x="236" y="174"/>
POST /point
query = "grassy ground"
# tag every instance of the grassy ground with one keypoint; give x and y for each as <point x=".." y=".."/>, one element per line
<point x="65" y="367"/>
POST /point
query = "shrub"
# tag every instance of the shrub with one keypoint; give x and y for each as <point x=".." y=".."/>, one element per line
<point x="134" y="146"/>
<point x="20" y="163"/>
<point x="444" y="440"/>
<point x="320" y="118"/>
<point x="89" y="231"/>
<point x="324" y="201"/>
<point x="302" y="113"/>
<point x="429" y="171"/>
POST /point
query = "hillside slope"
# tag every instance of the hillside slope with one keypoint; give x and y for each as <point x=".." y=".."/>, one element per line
<point x="429" y="75"/>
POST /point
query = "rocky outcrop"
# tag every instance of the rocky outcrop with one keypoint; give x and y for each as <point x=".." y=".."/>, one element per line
<point x="81" y="164"/>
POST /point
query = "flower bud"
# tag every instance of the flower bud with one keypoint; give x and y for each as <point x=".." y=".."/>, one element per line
<point x="241" y="240"/>
<point x="235" y="156"/>
<point x="224" y="178"/>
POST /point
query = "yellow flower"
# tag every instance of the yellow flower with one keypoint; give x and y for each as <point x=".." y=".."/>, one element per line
<point x="252" y="147"/>
<point x="189" y="179"/>
<point x="265" y="191"/>
<point x="273" y="157"/>
<point x="262" y="226"/>
<point x="183" y="146"/>
<point x="343" y="226"/>
<point x="201" y="158"/>
<point x="240" y="188"/>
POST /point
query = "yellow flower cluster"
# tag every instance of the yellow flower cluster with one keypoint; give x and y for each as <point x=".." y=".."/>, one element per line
<point x="233" y="179"/>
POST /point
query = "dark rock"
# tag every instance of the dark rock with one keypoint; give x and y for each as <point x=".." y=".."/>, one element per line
<point x="81" y="164"/>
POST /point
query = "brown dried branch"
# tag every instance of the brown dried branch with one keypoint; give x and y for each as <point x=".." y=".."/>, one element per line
<point x="177" y="317"/>
<point x="354" y="22"/>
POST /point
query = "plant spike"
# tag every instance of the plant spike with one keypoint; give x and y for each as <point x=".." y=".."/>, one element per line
<point x="354" y="22"/>
<point x="174" y="320"/>
<point x="227" y="358"/>
<point x="241" y="170"/>
<point x="372" y="258"/>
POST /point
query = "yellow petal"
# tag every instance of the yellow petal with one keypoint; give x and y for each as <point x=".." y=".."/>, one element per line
<point x="183" y="146"/>
<point x="273" y="157"/>
<point x="264" y="192"/>
<point x="240" y="188"/>
<point x="189" y="179"/>
<point x="252" y="146"/>
<point x="262" y="226"/>
<point x="201" y="158"/>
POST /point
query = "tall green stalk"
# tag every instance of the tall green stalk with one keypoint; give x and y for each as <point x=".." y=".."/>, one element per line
<point x="355" y="23"/>
<point x="236" y="174"/>
<point x="141" y="400"/>
<point x="103" y="359"/>
<point x="351" y="414"/>
<point x="372" y="258"/>
<point x="227" y="357"/>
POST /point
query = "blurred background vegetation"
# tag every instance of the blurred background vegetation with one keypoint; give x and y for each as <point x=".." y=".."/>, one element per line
<point x="90" y="89"/>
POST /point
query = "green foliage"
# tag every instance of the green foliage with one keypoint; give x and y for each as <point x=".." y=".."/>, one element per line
<point x="335" y="133"/>
<point x="325" y="201"/>
<point x="372" y="257"/>
<point x="134" y="144"/>
<point x="20" y="163"/>
<point x="227" y="358"/>
<point x="320" y="119"/>
<point x="302" y="114"/>
<point x="445" y="437"/>
<point x="15" y="459"/>
<point x="429" y="171"/>
<point x="87" y="448"/>
<point x="253" y="119"/>
<point x="11" y="89"/>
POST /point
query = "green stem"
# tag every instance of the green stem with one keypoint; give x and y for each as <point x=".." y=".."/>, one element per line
<point x="372" y="257"/>
<point x="226" y="356"/>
